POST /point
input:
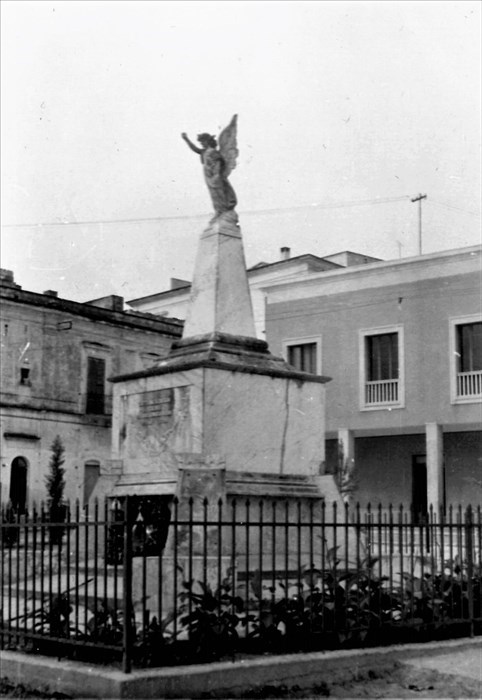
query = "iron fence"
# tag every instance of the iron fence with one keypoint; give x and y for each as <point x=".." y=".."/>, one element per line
<point x="158" y="581"/>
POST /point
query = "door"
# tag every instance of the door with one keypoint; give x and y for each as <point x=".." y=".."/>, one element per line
<point x="18" y="484"/>
<point x="91" y="477"/>
<point x="419" y="489"/>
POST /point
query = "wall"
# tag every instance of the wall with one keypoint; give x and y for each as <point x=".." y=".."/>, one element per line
<point x="463" y="467"/>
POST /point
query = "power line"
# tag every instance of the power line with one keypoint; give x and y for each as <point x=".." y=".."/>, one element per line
<point x="103" y="221"/>
<point x="361" y="202"/>
<point x="339" y="205"/>
<point x="451" y="206"/>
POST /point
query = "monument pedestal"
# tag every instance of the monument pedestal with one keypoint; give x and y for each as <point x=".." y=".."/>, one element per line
<point x="220" y="417"/>
<point x="220" y="401"/>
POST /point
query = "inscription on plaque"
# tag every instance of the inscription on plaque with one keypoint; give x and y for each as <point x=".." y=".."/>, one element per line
<point x="159" y="423"/>
<point x="157" y="406"/>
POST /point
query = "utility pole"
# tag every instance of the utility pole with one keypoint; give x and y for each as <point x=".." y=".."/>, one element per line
<point x="418" y="199"/>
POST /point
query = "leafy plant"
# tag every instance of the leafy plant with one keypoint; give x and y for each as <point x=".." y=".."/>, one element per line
<point x="332" y="607"/>
<point x="439" y="599"/>
<point x="212" y="618"/>
<point x="57" y="617"/>
<point x="105" y="625"/>
<point x="156" y="645"/>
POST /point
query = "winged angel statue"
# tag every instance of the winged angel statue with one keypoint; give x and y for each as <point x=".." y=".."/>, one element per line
<point x="218" y="164"/>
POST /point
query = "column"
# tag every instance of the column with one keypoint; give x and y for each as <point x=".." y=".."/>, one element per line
<point x="346" y="450"/>
<point x="346" y="441"/>
<point x="434" y="447"/>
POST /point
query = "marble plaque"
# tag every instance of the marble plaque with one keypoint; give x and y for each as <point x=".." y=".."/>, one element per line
<point x="157" y="406"/>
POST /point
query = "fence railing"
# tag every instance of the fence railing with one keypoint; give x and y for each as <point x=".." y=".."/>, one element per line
<point x="469" y="383"/>
<point x="381" y="392"/>
<point x="160" y="581"/>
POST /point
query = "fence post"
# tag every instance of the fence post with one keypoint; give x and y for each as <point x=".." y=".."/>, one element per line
<point x="470" y="565"/>
<point x="127" y="592"/>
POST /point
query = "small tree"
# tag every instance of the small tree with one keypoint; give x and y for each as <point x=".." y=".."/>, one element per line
<point x="55" y="483"/>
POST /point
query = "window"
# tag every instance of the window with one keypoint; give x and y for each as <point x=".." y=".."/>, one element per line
<point x="95" y="398"/>
<point x="24" y="376"/>
<point x="469" y="345"/>
<point x="304" y="354"/>
<point x="382" y="356"/>
<point x="381" y="368"/>
<point x="466" y="369"/>
<point x="95" y="391"/>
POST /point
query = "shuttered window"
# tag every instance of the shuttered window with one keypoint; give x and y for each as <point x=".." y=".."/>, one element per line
<point x="303" y="357"/>
<point x="469" y="341"/>
<point x="95" y="399"/>
<point x="382" y="357"/>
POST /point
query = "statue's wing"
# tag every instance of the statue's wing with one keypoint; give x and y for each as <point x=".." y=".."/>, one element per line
<point x="228" y="146"/>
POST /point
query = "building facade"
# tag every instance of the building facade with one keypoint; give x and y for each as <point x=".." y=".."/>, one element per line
<point x="402" y="342"/>
<point x="57" y="357"/>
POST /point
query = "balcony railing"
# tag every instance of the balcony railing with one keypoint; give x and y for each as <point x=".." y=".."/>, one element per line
<point x="469" y="384"/>
<point x="381" y="392"/>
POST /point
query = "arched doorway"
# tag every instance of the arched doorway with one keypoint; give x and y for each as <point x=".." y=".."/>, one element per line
<point x="18" y="483"/>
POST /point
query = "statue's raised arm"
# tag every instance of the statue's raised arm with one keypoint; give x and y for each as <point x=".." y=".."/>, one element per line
<point x="218" y="164"/>
<point x="194" y="148"/>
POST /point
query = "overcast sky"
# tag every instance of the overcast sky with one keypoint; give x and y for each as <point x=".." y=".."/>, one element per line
<point x="342" y="105"/>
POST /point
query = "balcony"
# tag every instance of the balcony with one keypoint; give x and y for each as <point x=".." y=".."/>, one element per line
<point x="381" y="393"/>
<point x="469" y="384"/>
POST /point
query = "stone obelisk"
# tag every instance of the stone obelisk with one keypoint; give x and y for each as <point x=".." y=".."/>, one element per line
<point x="220" y="299"/>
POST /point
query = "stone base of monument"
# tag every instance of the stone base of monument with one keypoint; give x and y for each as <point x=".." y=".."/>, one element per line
<point x="219" y="401"/>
